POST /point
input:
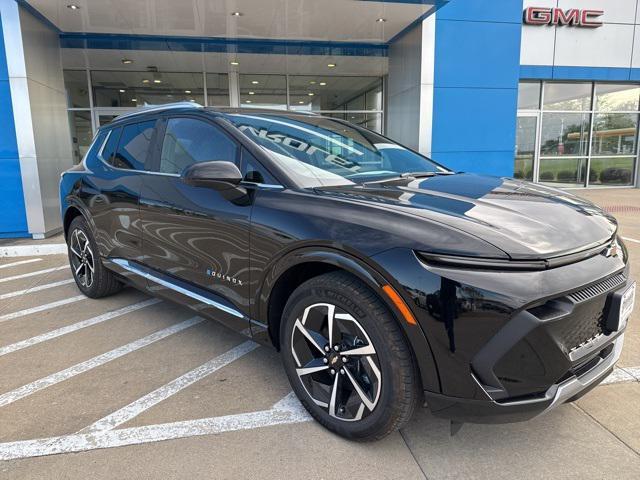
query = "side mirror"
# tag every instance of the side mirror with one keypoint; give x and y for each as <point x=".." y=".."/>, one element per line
<point x="217" y="175"/>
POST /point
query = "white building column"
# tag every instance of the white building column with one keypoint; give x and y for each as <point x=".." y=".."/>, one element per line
<point x="410" y="87"/>
<point x="39" y="108"/>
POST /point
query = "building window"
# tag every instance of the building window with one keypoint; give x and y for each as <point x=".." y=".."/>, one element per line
<point x="264" y="91"/>
<point x="96" y="97"/>
<point x="132" y="89"/>
<point x="578" y="133"/>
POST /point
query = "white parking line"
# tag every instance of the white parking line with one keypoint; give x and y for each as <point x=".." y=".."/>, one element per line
<point x="287" y="411"/>
<point x="37" y="385"/>
<point x="627" y="239"/>
<point x="14" y="347"/>
<point x="137" y="407"/>
<point x="20" y="262"/>
<point x="31" y="250"/>
<point x="634" y="371"/>
<point x="40" y="308"/>
<point x="33" y="274"/>
<point x="36" y="288"/>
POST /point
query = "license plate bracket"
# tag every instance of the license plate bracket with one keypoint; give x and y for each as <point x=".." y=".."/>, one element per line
<point x="621" y="306"/>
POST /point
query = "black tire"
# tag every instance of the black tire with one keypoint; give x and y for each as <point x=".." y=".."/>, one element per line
<point x="357" y="308"/>
<point x="98" y="283"/>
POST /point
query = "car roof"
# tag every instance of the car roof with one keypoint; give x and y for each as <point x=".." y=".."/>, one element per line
<point x="185" y="107"/>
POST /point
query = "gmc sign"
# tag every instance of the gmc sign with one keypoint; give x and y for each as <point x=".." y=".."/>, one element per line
<point x="557" y="16"/>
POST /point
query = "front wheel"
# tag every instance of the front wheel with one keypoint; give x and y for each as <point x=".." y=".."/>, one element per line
<point x="91" y="277"/>
<point x="347" y="359"/>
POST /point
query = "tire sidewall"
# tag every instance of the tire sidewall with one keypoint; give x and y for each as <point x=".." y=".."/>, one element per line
<point x="310" y="293"/>
<point x="79" y="223"/>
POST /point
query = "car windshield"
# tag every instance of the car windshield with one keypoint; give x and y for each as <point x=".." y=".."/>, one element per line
<point x="320" y="151"/>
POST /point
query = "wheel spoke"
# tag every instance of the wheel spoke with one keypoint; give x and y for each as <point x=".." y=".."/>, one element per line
<point x="73" y="250"/>
<point x="79" y="268"/>
<point x="316" y="339"/>
<point x="365" y="350"/>
<point x="334" y="392"/>
<point x="315" y="365"/>
<point x="363" y="396"/>
<point x="331" y="309"/>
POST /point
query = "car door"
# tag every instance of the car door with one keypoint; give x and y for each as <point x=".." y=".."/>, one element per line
<point x="114" y="192"/>
<point x="196" y="236"/>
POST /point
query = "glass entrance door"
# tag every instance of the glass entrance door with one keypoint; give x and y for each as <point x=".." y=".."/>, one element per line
<point x="526" y="141"/>
<point x="103" y="116"/>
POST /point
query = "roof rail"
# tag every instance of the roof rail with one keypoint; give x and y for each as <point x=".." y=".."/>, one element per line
<point x="155" y="108"/>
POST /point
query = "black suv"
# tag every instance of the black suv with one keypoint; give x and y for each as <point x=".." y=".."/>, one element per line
<point x="383" y="278"/>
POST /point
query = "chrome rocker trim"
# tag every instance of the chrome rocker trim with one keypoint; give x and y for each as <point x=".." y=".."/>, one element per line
<point x="177" y="288"/>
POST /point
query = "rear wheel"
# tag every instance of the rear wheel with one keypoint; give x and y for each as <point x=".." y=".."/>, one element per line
<point x="91" y="277"/>
<point x="347" y="359"/>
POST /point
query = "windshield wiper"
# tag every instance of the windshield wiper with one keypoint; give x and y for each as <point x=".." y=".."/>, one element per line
<point x="424" y="174"/>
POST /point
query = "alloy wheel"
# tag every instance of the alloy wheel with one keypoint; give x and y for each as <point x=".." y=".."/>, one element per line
<point x="336" y="362"/>
<point x="82" y="259"/>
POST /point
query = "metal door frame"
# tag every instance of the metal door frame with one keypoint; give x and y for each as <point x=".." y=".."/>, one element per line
<point x="536" y="141"/>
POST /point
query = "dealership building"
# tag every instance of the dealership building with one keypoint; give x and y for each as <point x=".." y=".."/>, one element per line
<point x="544" y="90"/>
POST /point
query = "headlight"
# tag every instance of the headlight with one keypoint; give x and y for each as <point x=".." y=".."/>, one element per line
<point x="437" y="259"/>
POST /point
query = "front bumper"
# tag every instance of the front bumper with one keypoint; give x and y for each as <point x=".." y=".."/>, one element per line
<point x="492" y="411"/>
<point x="508" y="346"/>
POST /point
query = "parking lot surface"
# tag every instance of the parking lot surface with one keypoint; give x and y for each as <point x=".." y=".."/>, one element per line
<point x="134" y="387"/>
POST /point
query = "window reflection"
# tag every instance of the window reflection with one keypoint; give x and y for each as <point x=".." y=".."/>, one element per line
<point x="77" y="88"/>
<point x="564" y="134"/>
<point x="612" y="97"/>
<point x="615" y="134"/>
<point x="324" y="93"/>
<point x="264" y="91"/>
<point x="567" y="96"/>
<point x="132" y="89"/>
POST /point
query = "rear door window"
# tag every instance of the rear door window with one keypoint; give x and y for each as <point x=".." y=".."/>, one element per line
<point x="134" y="145"/>
<point x="109" y="148"/>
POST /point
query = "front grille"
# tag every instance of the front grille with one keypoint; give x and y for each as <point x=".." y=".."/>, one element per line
<point x="597" y="289"/>
<point x="577" y="330"/>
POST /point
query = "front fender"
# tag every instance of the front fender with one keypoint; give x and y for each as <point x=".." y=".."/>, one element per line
<point x="373" y="276"/>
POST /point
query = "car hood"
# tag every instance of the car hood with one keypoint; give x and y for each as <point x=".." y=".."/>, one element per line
<point x="524" y="220"/>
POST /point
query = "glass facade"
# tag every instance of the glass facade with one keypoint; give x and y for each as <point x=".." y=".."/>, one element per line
<point x="96" y="97"/>
<point x="577" y="134"/>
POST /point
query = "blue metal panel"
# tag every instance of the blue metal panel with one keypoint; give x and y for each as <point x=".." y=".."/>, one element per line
<point x="228" y="45"/>
<point x="13" y="221"/>
<point x="493" y="11"/>
<point x="536" y="72"/>
<point x="477" y="68"/>
<point x="477" y="54"/>
<point x="474" y="119"/>
<point x="488" y="163"/>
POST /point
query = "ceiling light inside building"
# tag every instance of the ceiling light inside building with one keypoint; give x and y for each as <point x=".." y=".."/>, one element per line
<point x="122" y="90"/>
<point x="323" y="83"/>
<point x="187" y="91"/>
<point x="127" y="61"/>
<point x="247" y="101"/>
<point x="134" y="99"/>
<point x="236" y="14"/>
<point x="381" y="20"/>
<point x="331" y="65"/>
<point x="311" y="94"/>
<point x="234" y="63"/>
<point x="73" y="7"/>
<point x="255" y="82"/>
<point x="145" y="80"/>
<point x="312" y="82"/>
<point x="301" y="102"/>
<point x="252" y="93"/>
<point x="157" y="80"/>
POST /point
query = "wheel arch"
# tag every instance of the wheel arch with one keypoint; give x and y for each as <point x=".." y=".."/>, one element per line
<point x="301" y="265"/>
